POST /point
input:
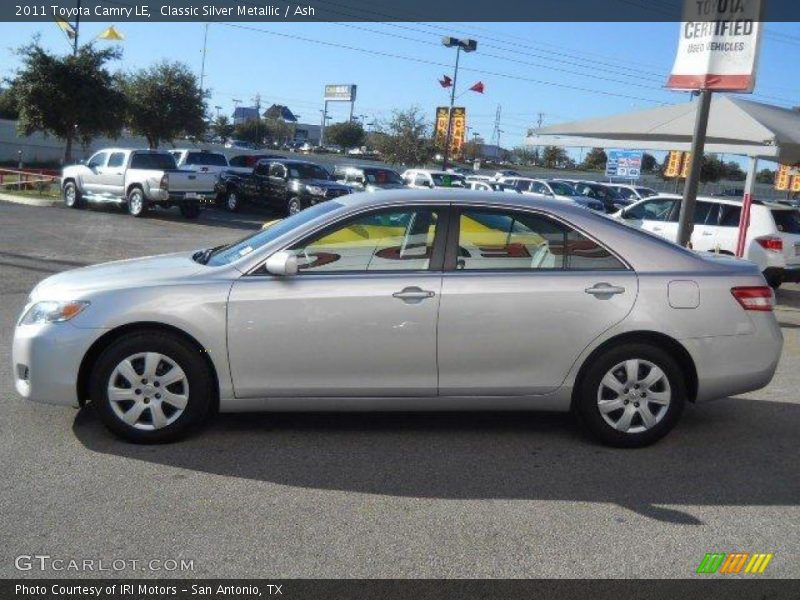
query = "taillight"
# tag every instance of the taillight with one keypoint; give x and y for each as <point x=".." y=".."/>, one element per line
<point x="754" y="298"/>
<point x="164" y="182"/>
<point x="770" y="242"/>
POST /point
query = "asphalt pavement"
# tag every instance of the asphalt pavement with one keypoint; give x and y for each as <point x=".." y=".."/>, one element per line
<point x="359" y="495"/>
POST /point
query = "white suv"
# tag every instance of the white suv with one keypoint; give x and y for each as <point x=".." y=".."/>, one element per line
<point x="773" y="238"/>
<point x="429" y="178"/>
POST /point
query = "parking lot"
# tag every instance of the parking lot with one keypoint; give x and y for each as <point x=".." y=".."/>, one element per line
<point x="430" y="495"/>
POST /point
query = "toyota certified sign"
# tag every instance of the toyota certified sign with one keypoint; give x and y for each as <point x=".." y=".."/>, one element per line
<point x="718" y="46"/>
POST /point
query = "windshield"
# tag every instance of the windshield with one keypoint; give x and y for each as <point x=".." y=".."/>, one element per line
<point x="232" y="252"/>
<point x="382" y="176"/>
<point x="448" y="180"/>
<point x="206" y="158"/>
<point x="562" y="189"/>
<point x="307" y="171"/>
<point x="161" y="161"/>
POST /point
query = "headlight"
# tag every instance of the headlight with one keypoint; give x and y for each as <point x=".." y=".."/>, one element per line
<point x="315" y="190"/>
<point x="52" y="312"/>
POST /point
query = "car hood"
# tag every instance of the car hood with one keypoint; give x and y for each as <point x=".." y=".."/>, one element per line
<point x="120" y="274"/>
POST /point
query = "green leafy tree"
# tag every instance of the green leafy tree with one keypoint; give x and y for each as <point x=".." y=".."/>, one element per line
<point x="347" y="134"/>
<point x="72" y="97"/>
<point x="9" y="108"/>
<point x="526" y="155"/>
<point x="733" y="172"/>
<point x="595" y="160"/>
<point x="164" y="102"/>
<point x="766" y="176"/>
<point x="554" y="156"/>
<point x="252" y="130"/>
<point x="649" y="163"/>
<point x="406" y="138"/>
<point x="712" y="170"/>
<point x="223" y="127"/>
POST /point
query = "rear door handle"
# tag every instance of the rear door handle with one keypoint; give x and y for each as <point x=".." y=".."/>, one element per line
<point x="413" y="294"/>
<point x="604" y="289"/>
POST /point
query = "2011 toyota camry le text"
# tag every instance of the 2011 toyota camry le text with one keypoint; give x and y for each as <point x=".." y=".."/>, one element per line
<point x="409" y="301"/>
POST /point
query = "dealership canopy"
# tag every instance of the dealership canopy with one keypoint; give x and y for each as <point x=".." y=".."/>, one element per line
<point x="735" y="126"/>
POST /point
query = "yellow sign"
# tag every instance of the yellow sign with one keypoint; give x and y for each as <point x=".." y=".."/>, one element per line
<point x="458" y="133"/>
<point x="441" y="125"/>
<point x="673" y="166"/>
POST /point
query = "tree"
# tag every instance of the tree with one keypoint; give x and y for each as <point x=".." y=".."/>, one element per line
<point x="553" y="156"/>
<point x="347" y="134"/>
<point x="72" y="97"/>
<point x="713" y="169"/>
<point x="252" y="131"/>
<point x="8" y="104"/>
<point x="766" y="176"/>
<point x="733" y="172"/>
<point x="649" y="163"/>
<point x="406" y="138"/>
<point x="223" y="127"/>
<point x="595" y="160"/>
<point x="526" y="155"/>
<point x="164" y="102"/>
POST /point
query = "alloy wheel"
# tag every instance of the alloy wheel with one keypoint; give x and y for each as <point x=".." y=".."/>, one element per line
<point x="148" y="391"/>
<point x="634" y="396"/>
<point x="135" y="203"/>
<point x="294" y="207"/>
<point x="70" y="195"/>
<point x="232" y="202"/>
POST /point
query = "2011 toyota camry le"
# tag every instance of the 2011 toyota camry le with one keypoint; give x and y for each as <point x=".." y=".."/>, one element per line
<point x="405" y="301"/>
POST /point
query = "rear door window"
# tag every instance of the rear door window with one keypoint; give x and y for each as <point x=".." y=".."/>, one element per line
<point x="116" y="159"/>
<point x="705" y="213"/>
<point x="652" y="210"/>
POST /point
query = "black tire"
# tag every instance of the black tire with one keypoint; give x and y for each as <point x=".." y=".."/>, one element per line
<point x="137" y="202"/>
<point x="173" y="348"/>
<point x="233" y="201"/>
<point x="589" y="393"/>
<point x="294" y="205"/>
<point x="72" y="195"/>
<point x="190" y="210"/>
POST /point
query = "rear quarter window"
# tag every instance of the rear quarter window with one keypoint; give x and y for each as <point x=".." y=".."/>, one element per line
<point x="787" y="221"/>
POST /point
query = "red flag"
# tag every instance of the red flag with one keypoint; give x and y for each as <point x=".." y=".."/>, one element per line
<point x="445" y="81"/>
<point x="478" y="87"/>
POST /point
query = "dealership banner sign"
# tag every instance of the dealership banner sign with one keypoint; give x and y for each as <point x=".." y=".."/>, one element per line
<point x="625" y="164"/>
<point x="718" y="46"/>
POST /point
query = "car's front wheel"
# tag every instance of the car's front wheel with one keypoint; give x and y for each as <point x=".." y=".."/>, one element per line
<point x="72" y="196"/>
<point x="631" y="395"/>
<point x="151" y="387"/>
<point x="232" y="201"/>
<point x="294" y="206"/>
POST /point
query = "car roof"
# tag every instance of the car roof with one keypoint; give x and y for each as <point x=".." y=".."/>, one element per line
<point x="723" y="200"/>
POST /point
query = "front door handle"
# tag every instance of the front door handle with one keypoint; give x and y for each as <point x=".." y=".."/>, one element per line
<point x="604" y="289"/>
<point x="413" y="294"/>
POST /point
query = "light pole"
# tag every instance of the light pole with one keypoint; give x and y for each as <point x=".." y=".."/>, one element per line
<point x="467" y="46"/>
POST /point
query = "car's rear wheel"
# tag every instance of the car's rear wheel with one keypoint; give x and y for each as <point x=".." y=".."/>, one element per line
<point x="72" y="196"/>
<point x="631" y="395"/>
<point x="294" y="206"/>
<point x="151" y="387"/>
<point x="232" y="201"/>
<point x="137" y="203"/>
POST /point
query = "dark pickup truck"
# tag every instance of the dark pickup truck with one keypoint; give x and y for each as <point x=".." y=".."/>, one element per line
<point x="286" y="185"/>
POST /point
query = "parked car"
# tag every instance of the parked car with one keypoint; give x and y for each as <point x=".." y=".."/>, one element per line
<point x="610" y="198"/>
<point x="578" y="312"/>
<point x="505" y="173"/>
<point x="430" y="178"/>
<point x="773" y="237"/>
<point x="491" y="186"/>
<point x="244" y="164"/>
<point x="138" y="179"/>
<point x="552" y="189"/>
<point x="284" y="184"/>
<point x="368" y="178"/>
<point x="200" y="160"/>
<point x="632" y="193"/>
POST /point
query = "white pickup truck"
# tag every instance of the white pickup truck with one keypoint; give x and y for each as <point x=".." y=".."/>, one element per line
<point x="202" y="161"/>
<point x="138" y="179"/>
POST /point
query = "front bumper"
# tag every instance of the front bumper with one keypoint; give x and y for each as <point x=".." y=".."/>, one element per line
<point x="46" y="358"/>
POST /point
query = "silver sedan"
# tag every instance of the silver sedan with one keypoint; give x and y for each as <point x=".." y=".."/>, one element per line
<point x="405" y="301"/>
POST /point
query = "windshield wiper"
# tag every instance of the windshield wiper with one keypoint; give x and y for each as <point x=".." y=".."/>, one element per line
<point x="203" y="256"/>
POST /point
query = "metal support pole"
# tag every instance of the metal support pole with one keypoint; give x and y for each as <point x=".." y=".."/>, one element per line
<point x="686" y="220"/>
<point x="77" y="27"/>
<point x="322" y="127"/>
<point x="203" y="63"/>
<point x="450" y="112"/>
<point x="747" y="201"/>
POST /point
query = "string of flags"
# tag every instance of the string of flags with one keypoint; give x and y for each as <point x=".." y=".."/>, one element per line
<point x="110" y="34"/>
<point x="447" y="82"/>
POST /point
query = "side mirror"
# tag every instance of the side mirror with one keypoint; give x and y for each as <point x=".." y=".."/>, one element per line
<point x="282" y="264"/>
